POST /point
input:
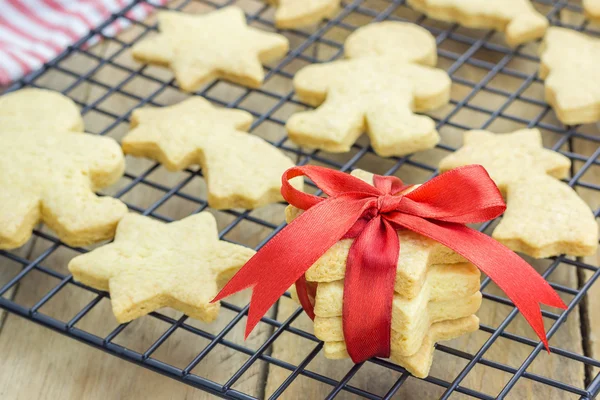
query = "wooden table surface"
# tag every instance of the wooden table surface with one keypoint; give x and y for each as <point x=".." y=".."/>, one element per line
<point x="37" y="363"/>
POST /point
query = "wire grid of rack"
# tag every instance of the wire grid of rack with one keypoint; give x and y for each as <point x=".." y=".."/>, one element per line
<point x="307" y="50"/>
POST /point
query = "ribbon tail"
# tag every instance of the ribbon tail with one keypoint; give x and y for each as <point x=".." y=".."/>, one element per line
<point x="521" y="283"/>
<point x="288" y="255"/>
<point x="369" y="291"/>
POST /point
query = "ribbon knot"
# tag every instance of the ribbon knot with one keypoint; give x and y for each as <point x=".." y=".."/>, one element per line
<point x="371" y="215"/>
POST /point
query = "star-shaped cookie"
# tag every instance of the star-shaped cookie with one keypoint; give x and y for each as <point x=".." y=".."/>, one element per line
<point x="375" y="91"/>
<point x="241" y="170"/>
<point x="417" y="364"/>
<point x="201" y="48"/>
<point x="544" y="216"/>
<point x="569" y="64"/>
<point x="49" y="171"/>
<point x="296" y="14"/>
<point x="592" y="9"/>
<point x="451" y="291"/>
<point x="151" y="265"/>
<point x="518" y="19"/>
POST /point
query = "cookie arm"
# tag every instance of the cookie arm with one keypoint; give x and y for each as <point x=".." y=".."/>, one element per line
<point x="77" y="215"/>
<point x="19" y="213"/>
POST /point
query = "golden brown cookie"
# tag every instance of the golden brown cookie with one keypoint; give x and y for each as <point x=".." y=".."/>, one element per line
<point x="217" y="45"/>
<point x="241" y="170"/>
<point x="378" y="91"/>
<point x="569" y="64"/>
<point x="151" y="265"/>
<point x="49" y="171"/>
<point x="544" y="216"/>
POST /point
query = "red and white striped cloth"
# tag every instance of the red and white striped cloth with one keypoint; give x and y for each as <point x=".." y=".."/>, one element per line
<point x="33" y="32"/>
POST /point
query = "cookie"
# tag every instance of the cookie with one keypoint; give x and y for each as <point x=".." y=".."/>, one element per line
<point x="241" y="170"/>
<point x="217" y="45"/>
<point x="569" y="65"/>
<point x="419" y="363"/>
<point x="49" y="172"/>
<point x="544" y="216"/>
<point x="411" y="319"/>
<point x="151" y="265"/>
<point x="296" y="14"/>
<point x="417" y="254"/>
<point x="411" y="42"/>
<point x="38" y="109"/>
<point x="592" y="9"/>
<point x="518" y="19"/>
<point x="377" y="91"/>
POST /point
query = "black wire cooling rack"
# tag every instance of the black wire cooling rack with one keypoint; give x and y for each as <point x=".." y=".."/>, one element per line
<point x="480" y="51"/>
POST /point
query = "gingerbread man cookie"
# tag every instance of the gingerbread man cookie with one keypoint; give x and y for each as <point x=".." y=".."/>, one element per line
<point x="151" y="265"/>
<point x="377" y="90"/>
<point x="544" y="216"/>
<point x="201" y="48"/>
<point x="518" y="19"/>
<point x="242" y="170"/>
<point x="569" y="64"/>
<point x="296" y="14"/>
<point x="49" y="171"/>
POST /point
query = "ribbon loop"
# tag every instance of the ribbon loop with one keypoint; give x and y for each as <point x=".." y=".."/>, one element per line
<point x="437" y="209"/>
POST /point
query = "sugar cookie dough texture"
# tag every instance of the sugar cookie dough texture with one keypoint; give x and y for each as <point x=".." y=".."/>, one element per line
<point x="299" y="13"/>
<point x="436" y="295"/>
<point x="241" y="170"/>
<point x="151" y="265"/>
<point x="388" y="77"/>
<point x="50" y="169"/>
<point x="518" y="19"/>
<point x="570" y="64"/>
<point x="544" y="216"/>
<point x="201" y="48"/>
<point x="592" y="9"/>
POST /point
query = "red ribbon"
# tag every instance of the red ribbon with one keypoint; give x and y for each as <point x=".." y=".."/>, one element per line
<point x="438" y="209"/>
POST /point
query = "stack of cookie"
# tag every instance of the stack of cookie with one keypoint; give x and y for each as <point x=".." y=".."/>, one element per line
<point x="436" y="296"/>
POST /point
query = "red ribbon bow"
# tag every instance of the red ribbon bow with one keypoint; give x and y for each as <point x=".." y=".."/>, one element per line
<point x="437" y="209"/>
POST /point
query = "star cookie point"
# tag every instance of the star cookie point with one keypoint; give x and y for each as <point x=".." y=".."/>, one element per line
<point x="201" y="48"/>
<point x="49" y="171"/>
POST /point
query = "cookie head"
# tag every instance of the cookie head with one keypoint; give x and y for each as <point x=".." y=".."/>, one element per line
<point x="408" y="41"/>
<point x="38" y="109"/>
